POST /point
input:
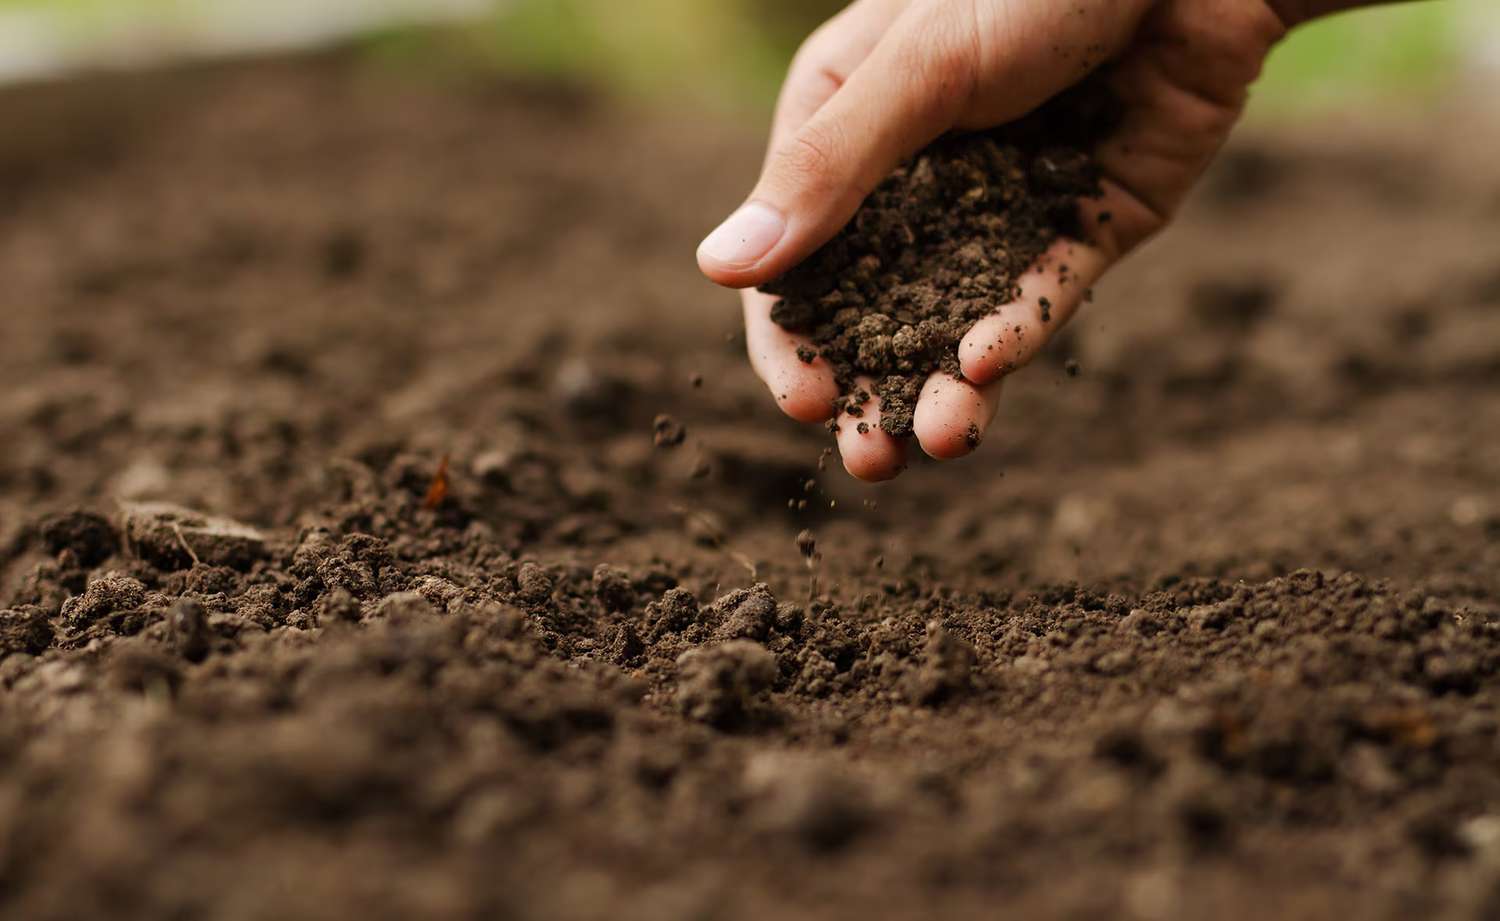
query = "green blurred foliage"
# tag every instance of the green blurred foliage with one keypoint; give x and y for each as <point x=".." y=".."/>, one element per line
<point x="1406" y="50"/>
<point x="733" y="52"/>
<point x="738" y="49"/>
<point x="730" y="52"/>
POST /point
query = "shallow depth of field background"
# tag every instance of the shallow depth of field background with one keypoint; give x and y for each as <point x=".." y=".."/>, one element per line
<point x="727" y="53"/>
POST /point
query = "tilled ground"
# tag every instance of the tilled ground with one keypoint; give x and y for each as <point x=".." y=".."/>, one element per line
<point x="1210" y="629"/>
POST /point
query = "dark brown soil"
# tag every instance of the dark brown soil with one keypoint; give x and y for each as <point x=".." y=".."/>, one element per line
<point x="1211" y="630"/>
<point x="938" y="246"/>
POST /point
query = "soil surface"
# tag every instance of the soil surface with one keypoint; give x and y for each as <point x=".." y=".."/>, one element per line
<point x="347" y="571"/>
<point x="939" y="245"/>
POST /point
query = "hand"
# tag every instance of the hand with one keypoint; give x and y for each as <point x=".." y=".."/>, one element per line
<point x="886" y="77"/>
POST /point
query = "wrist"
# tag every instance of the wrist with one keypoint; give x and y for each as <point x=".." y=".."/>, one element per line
<point x="1296" y="12"/>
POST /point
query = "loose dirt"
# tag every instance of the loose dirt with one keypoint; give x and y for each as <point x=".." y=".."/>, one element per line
<point x="1210" y="629"/>
<point x="940" y="244"/>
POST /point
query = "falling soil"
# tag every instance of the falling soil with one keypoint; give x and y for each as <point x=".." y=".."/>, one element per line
<point x="1213" y="634"/>
<point x="940" y="244"/>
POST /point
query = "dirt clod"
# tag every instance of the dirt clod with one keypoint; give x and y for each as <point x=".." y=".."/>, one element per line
<point x="111" y="593"/>
<point x="174" y="537"/>
<point x="746" y="613"/>
<point x="24" y="630"/>
<point x="946" y="669"/>
<point x="720" y="684"/>
<point x="91" y="537"/>
<point x="613" y="588"/>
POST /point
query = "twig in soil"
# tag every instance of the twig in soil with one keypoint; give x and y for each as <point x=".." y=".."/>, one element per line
<point x="177" y="529"/>
<point x="438" y="490"/>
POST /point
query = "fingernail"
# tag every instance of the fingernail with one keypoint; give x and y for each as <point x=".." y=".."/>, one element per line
<point x="746" y="237"/>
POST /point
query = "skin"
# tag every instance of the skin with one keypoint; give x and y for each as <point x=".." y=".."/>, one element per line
<point x="884" y="78"/>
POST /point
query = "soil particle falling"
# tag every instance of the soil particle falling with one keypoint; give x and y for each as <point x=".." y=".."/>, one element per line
<point x="939" y="245"/>
<point x="667" y="432"/>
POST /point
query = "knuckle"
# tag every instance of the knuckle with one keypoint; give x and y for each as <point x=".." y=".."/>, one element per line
<point x="809" y="162"/>
<point x="938" y="62"/>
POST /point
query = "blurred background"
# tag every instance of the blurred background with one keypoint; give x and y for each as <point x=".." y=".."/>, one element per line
<point x="726" y="53"/>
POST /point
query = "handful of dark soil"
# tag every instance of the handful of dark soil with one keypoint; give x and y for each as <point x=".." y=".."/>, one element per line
<point x="939" y="245"/>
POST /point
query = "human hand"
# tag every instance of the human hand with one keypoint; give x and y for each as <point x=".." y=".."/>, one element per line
<point x="885" y="78"/>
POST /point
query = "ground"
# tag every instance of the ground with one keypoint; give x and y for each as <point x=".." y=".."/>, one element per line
<point x="1210" y="626"/>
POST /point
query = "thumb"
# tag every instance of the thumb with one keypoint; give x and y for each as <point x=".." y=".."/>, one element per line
<point x="902" y="97"/>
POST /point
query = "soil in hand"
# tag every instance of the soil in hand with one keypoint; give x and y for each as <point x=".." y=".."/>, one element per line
<point x="939" y="245"/>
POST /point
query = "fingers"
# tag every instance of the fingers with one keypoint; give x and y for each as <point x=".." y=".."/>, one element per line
<point x="904" y="94"/>
<point x="825" y="61"/>
<point x="952" y="415"/>
<point x="868" y="452"/>
<point x="1181" y="97"/>
<point x="805" y="391"/>
<point x="1050" y="294"/>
